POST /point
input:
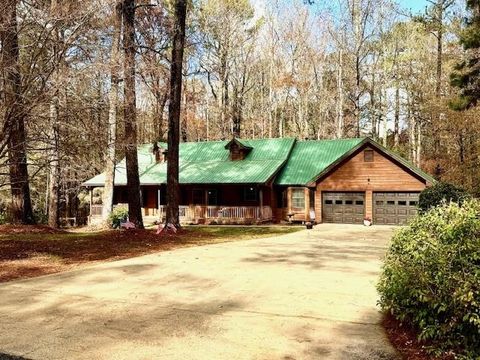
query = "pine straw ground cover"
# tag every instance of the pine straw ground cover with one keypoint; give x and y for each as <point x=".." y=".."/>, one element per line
<point x="28" y="251"/>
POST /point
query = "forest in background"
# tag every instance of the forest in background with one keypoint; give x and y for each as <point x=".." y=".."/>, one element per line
<point x="321" y="70"/>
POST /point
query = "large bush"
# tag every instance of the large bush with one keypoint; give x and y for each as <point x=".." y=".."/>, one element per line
<point x="118" y="215"/>
<point x="431" y="277"/>
<point x="440" y="193"/>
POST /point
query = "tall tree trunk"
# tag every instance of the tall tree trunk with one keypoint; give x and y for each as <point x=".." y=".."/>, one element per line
<point x="14" y="119"/>
<point x="184" y="125"/>
<point x="173" y="190"/>
<point x="418" y="150"/>
<point x="237" y="116"/>
<point x="112" y="113"/>
<point x="130" y="115"/>
<point x="54" y="156"/>
<point x="340" y="121"/>
<point x="440" y="10"/>
<point x="54" y="161"/>
<point x="396" y="123"/>
<point x="373" y="112"/>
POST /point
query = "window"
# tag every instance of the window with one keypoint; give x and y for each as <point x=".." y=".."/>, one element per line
<point x="368" y="155"/>
<point x="212" y="197"/>
<point x="390" y="202"/>
<point x="328" y="202"/>
<point x="379" y="202"/>
<point x="338" y="202"/>
<point x="250" y="193"/>
<point x="198" y="197"/>
<point x="298" y="198"/>
<point x="359" y="202"/>
<point x="402" y="203"/>
<point x="348" y="202"/>
<point x="413" y="203"/>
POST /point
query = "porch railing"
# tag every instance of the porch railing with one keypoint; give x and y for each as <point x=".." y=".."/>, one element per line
<point x="199" y="212"/>
<point x="96" y="210"/>
<point x="238" y="213"/>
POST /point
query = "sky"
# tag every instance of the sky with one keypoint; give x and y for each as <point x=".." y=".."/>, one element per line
<point x="414" y="5"/>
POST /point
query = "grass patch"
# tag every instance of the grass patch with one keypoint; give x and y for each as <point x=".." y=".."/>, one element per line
<point x="28" y="254"/>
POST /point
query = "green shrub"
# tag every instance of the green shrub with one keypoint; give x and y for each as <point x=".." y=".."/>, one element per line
<point x="117" y="216"/>
<point x="440" y="193"/>
<point x="431" y="277"/>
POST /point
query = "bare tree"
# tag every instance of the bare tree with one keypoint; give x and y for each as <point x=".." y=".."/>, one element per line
<point x="178" y="46"/>
<point x="112" y="112"/>
<point x="130" y="115"/>
<point x="14" y="117"/>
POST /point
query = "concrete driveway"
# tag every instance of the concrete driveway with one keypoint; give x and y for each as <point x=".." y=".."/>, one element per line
<point x="307" y="295"/>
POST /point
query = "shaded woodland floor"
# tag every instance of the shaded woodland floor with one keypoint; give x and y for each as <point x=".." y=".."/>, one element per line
<point x="30" y="251"/>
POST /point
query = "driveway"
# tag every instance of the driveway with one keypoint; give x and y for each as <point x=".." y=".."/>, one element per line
<point x="307" y="295"/>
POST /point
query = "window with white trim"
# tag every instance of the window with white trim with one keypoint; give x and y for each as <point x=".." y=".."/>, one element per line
<point x="298" y="198"/>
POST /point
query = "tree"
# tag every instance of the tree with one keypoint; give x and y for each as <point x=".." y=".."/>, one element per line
<point x="224" y="24"/>
<point x="55" y="86"/>
<point x="130" y="115"/>
<point x="112" y="112"/>
<point x="178" y="46"/>
<point x="14" y="117"/>
<point x="466" y="76"/>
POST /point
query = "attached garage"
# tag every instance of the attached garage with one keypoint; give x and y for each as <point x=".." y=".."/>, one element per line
<point x="343" y="207"/>
<point x="394" y="208"/>
<point x="350" y="180"/>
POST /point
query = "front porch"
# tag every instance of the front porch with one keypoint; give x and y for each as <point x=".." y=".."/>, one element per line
<point x="200" y="214"/>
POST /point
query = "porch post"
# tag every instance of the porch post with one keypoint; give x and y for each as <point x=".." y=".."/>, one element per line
<point x="307" y="204"/>
<point x="260" y="197"/>
<point x="206" y="204"/>
<point x="90" y="192"/>
<point x="318" y="205"/>
<point x="289" y="203"/>
<point x="91" y="199"/>
<point x="158" y="202"/>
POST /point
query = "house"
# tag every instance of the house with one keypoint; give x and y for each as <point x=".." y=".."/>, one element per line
<point x="284" y="179"/>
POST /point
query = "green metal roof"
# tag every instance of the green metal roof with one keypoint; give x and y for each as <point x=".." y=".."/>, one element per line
<point x="311" y="157"/>
<point x="292" y="162"/>
<point x="209" y="163"/>
<point x="146" y="159"/>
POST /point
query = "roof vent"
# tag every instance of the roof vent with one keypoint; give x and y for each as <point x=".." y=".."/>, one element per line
<point x="238" y="149"/>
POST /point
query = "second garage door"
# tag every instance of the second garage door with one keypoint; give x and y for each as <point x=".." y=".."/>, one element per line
<point x="394" y="208"/>
<point x="343" y="207"/>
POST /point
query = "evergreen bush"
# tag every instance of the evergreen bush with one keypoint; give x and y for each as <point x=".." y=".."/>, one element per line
<point x="431" y="277"/>
<point x="440" y="193"/>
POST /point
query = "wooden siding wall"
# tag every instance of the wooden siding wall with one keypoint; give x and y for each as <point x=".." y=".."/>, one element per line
<point x="355" y="174"/>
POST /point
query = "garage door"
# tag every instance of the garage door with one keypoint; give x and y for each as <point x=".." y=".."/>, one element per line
<point x="394" y="208"/>
<point x="343" y="207"/>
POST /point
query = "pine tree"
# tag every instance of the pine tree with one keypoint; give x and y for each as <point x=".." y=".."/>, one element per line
<point x="467" y="73"/>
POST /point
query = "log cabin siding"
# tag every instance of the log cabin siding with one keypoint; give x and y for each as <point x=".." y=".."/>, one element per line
<point x="355" y="174"/>
<point x="381" y="174"/>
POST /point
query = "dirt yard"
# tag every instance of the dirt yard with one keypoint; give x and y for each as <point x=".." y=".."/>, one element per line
<point x="29" y="251"/>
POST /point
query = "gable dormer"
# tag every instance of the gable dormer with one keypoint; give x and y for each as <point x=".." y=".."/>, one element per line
<point x="238" y="150"/>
